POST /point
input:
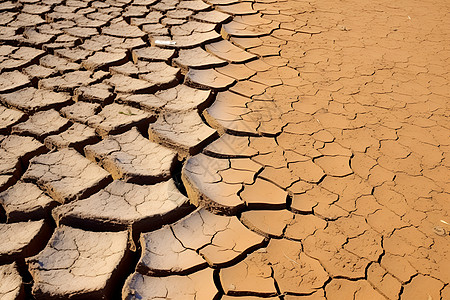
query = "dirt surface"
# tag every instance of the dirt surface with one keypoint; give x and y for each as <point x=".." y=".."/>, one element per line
<point x="224" y="149"/>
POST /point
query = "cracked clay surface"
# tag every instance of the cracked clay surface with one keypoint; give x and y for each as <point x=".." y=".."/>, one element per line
<point x="224" y="149"/>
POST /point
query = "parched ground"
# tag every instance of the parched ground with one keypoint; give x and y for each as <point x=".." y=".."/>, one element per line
<point x="225" y="149"/>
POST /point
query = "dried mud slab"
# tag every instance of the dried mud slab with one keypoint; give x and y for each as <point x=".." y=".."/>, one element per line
<point x="76" y="136"/>
<point x="283" y="262"/>
<point x="121" y="205"/>
<point x="98" y="93"/>
<point x="205" y="187"/>
<point x="32" y="100"/>
<point x="164" y="254"/>
<point x="208" y="79"/>
<point x="159" y="74"/>
<point x="8" y="118"/>
<point x="199" y="285"/>
<point x="22" y="147"/>
<point x="11" y="81"/>
<point x="80" y="111"/>
<point x="79" y="264"/>
<point x="225" y="114"/>
<point x="66" y="175"/>
<point x="116" y="118"/>
<point x="229" y="52"/>
<point x="263" y="194"/>
<point x="179" y="98"/>
<point x="131" y="157"/>
<point x="104" y="60"/>
<point x="127" y="84"/>
<point x="152" y="54"/>
<point x="184" y="132"/>
<point x="22" y="239"/>
<point x="70" y="81"/>
<point x="42" y="124"/>
<point x="221" y="240"/>
<point x="197" y="58"/>
<point x="15" y="152"/>
<point x="11" y="286"/>
<point x="25" y="201"/>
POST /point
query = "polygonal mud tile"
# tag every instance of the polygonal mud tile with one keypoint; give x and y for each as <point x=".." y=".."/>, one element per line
<point x="99" y="93"/>
<point x="241" y="171"/>
<point x="58" y="63"/>
<point x="387" y="284"/>
<point x="66" y="175"/>
<point x="194" y="5"/>
<point x="11" y="286"/>
<point x="230" y="146"/>
<point x="199" y="285"/>
<point x="197" y="58"/>
<point x="22" y="239"/>
<point x="236" y="71"/>
<point x="205" y="187"/>
<point x="21" y="147"/>
<point x="116" y="118"/>
<point x="307" y="170"/>
<point x="164" y="254"/>
<point x="69" y="81"/>
<point x="249" y="89"/>
<point x="133" y="158"/>
<point x="222" y="239"/>
<point x="76" y="136"/>
<point x="241" y="8"/>
<point x="208" y="79"/>
<point x="226" y="297"/>
<point x="42" y="124"/>
<point x="282" y="261"/>
<point x="345" y="289"/>
<point x="102" y="60"/>
<point x="10" y="169"/>
<point x="159" y="74"/>
<point x="156" y="30"/>
<point x="9" y="117"/>
<point x="75" y="55"/>
<point x="249" y="26"/>
<point x="77" y="263"/>
<point x="179" y="98"/>
<point x="303" y="226"/>
<point x="213" y="16"/>
<point x="152" y="54"/>
<point x="127" y="84"/>
<point x="122" y="204"/>
<point x="184" y="132"/>
<point x="225" y="114"/>
<point x="335" y="165"/>
<point x="31" y="99"/>
<point x="122" y="29"/>
<point x="329" y="251"/>
<point x="270" y="223"/>
<point x="252" y="276"/>
<point x="80" y="111"/>
<point x="25" y="201"/>
<point x="229" y="52"/>
<point x="162" y="73"/>
<point x="11" y="81"/>
<point x="264" y="194"/>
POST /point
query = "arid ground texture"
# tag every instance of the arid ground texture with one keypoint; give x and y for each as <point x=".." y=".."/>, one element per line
<point x="225" y="149"/>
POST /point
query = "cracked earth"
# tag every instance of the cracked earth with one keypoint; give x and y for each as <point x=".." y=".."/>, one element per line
<point x="224" y="149"/>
